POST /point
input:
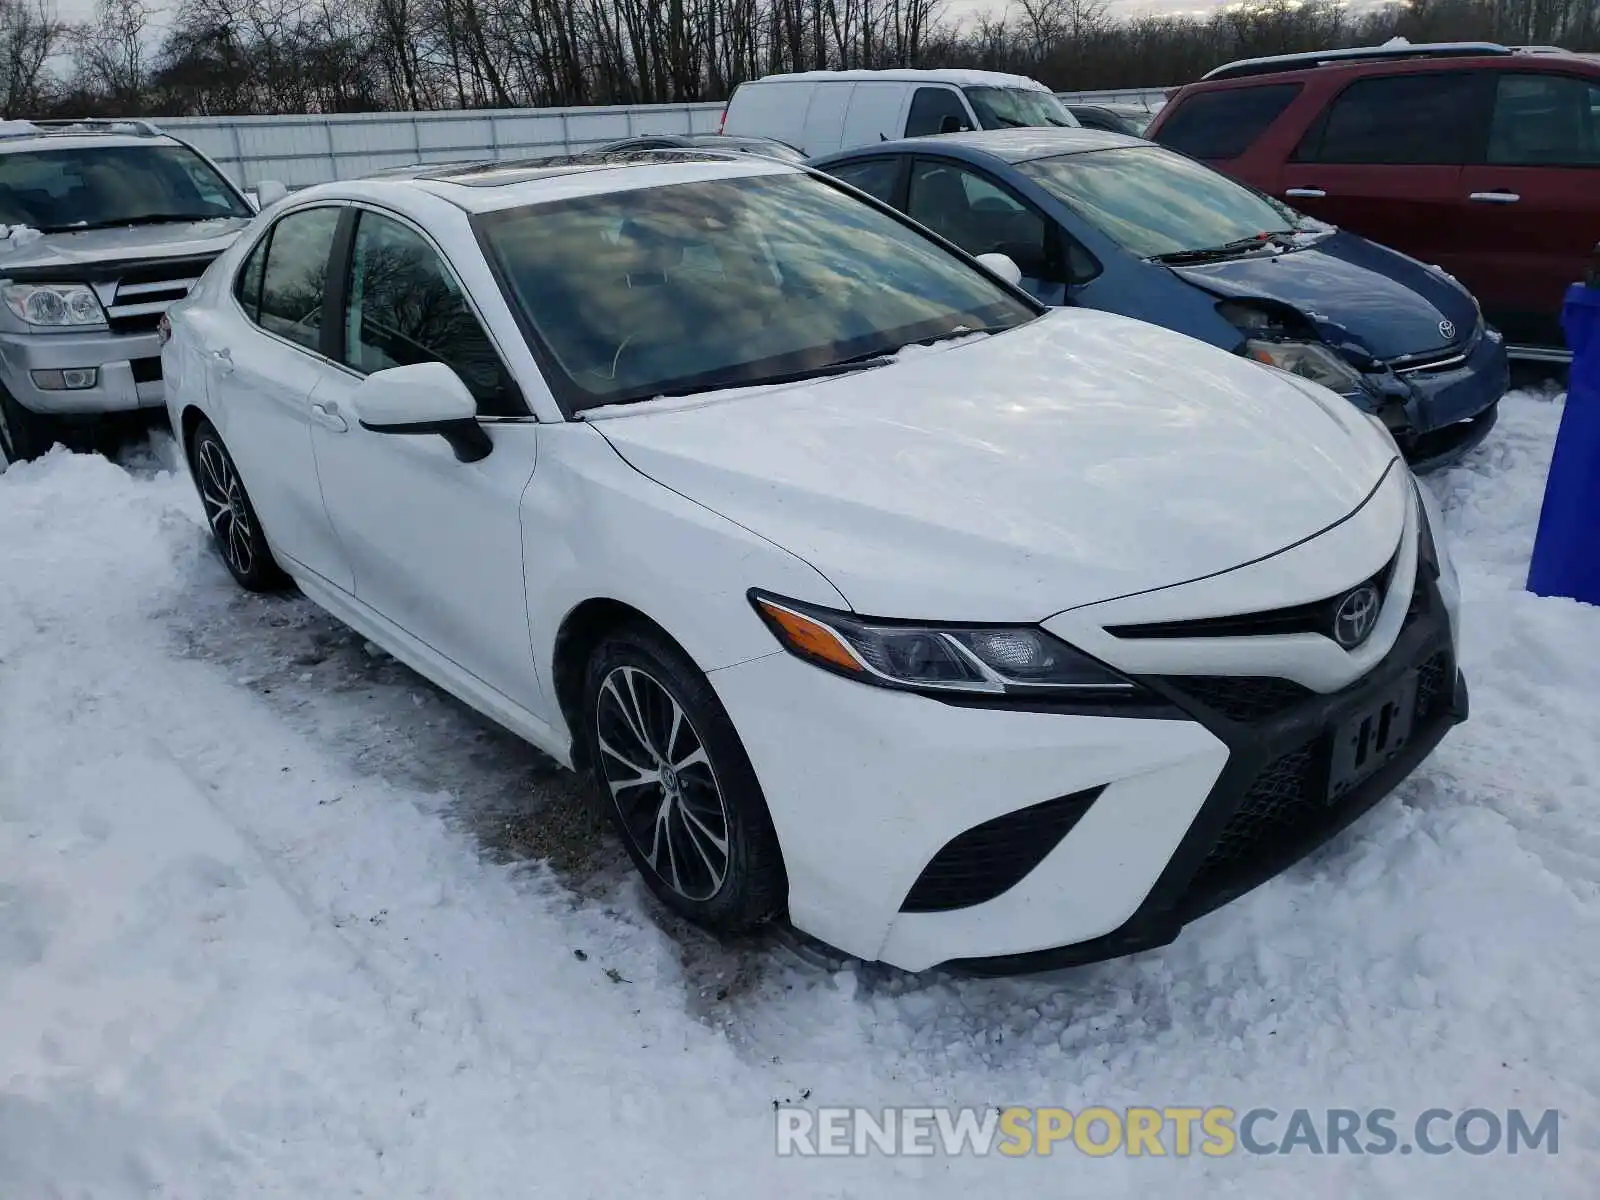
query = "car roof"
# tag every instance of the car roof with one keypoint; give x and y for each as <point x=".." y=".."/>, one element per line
<point x="1445" y="54"/>
<point x="491" y="186"/>
<point x="1011" y="145"/>
<point x="15" y="140"/>
<point x="959" y="78"/>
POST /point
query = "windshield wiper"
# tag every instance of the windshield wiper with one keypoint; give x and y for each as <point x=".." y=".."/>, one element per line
<point x="140" y="219"/>
<point x="1254" y="242"/>
<point x="843" y="366"/>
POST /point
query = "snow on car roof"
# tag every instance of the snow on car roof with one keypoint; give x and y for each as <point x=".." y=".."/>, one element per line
<point x="907" y="75"/>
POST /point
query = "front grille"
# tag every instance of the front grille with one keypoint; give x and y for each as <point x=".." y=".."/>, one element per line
<point x="1285" y="810"/>
<point x="1242" y="697"/>
<point x="143" y="291"/>
<point x="994" y="857"/>
<point x="1282" y="802"/>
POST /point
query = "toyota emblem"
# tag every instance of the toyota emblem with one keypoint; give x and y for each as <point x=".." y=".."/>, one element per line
<point x="1356" y="615"/>
<point x="1447" y="330"/>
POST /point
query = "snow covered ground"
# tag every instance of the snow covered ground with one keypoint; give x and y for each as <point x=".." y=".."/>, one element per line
<point x="278" y="918"/>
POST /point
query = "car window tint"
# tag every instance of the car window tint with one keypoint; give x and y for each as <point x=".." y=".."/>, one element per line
<point x="1225" y="124"/>
<point x="978" y="215"/>
<point x="296" y="275"/>
<point x="1398" y="119"/>
<point x="725" y="283"/>
<point x="1151" y="201"/>
<point x="930" y="106"/>
<point x="405" y="307"/>
<point x="876" y="177"/>
<point x="247" y="285"/>
<point x="1545" y="120"/>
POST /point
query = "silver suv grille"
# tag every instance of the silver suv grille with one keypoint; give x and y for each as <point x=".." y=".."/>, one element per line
<point x="143" y="291"/>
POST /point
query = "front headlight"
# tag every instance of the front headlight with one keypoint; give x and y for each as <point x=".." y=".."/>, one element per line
<point x="55" y="303"/>
<point x="992" y="660"/>
<point x="1309" y="360"/>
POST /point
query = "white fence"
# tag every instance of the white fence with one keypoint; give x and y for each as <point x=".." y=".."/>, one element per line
<point x="298" y="150"/>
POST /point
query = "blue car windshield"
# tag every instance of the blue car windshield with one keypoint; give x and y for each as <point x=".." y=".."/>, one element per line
<point x="1154" y="203"/>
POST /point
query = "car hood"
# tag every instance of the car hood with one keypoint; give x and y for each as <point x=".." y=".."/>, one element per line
<point x="92" y="248"/>
<point x="1078" y="458"/>
<point x="1355" y="292"/>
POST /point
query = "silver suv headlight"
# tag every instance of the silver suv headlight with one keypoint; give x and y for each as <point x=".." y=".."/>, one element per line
<point x="55" y="303"/>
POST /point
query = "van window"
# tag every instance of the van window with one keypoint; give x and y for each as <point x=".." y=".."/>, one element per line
<point x="1223" y="125"/>
<point x="1545" y="120"/>
<point x="1017" y="108"/>
<point x="929" y="108"/>
<point x="1422" y="119"/>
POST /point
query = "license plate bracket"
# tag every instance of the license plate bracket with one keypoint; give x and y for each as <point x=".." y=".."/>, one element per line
<point x="1364" y="741"/>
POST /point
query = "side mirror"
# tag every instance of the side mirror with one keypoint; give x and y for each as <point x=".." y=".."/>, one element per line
<point x="422" y="398"/>
<point x="952" y="124"/>
<point x="1003" y="267"/>
<point x="268" y="193"/>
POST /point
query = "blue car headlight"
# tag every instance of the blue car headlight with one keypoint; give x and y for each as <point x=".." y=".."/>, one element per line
<point x="1309" y="360"/>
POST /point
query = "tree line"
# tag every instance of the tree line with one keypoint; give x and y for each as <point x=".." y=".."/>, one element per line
<point x="227" y="57"/>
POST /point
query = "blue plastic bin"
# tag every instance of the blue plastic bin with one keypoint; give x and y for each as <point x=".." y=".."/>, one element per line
<point x="1566" y="555"/>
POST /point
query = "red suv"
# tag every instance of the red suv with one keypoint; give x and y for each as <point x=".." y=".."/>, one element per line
<point x="1477" y="158"/>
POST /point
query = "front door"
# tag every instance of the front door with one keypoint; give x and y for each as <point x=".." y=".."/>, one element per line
<point x="1532" y="208"/>
<point x="436" y="544"/>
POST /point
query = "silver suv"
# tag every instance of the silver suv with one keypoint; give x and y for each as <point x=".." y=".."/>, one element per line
<point x="102" y="225"/>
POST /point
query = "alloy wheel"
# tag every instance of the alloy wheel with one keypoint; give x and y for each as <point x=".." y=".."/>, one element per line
<point x="222" y="494"/>
<point x="666" y="793"/>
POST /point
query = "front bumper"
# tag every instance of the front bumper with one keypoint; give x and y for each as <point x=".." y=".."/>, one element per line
<point x="1159" y="820"/>
<point x="129" y="370"/>
<point x="1450" y="409"/>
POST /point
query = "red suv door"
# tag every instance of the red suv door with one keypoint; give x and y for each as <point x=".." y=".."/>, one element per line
<point x="1532" y="205"/>
<point x="1385" y="159"/>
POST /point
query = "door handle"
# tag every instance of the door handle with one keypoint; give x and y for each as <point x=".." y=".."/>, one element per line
<point x="1306" y="193"/>
<point x="223" y="359"/>
<point x="326" y="412"/>
<point x="1500" y="197"/>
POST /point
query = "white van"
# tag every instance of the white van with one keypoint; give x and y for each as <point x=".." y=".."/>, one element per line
<point x="819" y="112"/>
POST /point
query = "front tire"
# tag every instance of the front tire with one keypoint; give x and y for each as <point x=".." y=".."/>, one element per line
<point x="680" y="788"/>
<point x="24" y="434"/>
<point x="235" y="528"/>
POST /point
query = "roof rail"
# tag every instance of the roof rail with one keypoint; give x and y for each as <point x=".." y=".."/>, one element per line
<point x="1328" y="58"/>
<point x="99" y="125"/>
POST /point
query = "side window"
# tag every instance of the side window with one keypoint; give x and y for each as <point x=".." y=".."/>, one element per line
<point x="1224" y="124"/>
<point x="1420" y="120"/>
<point x="929" y="108"/>
<point x="405" y="307"/>
<point x="296" y="275"/>
<point x="978" y="215"/>
<point x="876" y="177"/>
<point x="1545" y="120"/>
<point x="247" y="284"/>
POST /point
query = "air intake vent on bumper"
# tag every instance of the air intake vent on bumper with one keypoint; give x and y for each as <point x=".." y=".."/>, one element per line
<point x="994" y="857"/>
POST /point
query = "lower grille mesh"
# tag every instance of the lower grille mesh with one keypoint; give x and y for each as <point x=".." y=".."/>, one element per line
<point x="1241" y="698"/>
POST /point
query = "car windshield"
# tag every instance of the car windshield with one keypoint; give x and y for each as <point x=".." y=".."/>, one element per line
<point x="728" y="283"/>
<point x="1155" y="203"/>
<point x="1017" y="108"/>
<point x="100" y="187"/>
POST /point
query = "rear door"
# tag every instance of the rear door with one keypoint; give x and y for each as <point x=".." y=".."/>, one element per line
<point x="1532" y="215"/>
<point x="1220" y="127"/>
<point x="1385" y="160"/>
<point x="825" y="118"/>
<point x="874" y="113"/>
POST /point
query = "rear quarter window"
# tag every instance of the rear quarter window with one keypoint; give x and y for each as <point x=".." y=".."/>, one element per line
<point x="1224" y="124"/>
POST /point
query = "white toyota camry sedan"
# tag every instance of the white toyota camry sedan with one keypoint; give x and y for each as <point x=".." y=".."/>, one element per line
<point x="872" y="595"/>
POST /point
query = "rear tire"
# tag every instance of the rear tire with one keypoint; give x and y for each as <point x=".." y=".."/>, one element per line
<point x="678" y="784"/>
<point x="24" y="434"/>
<point x="235" y="528"/>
